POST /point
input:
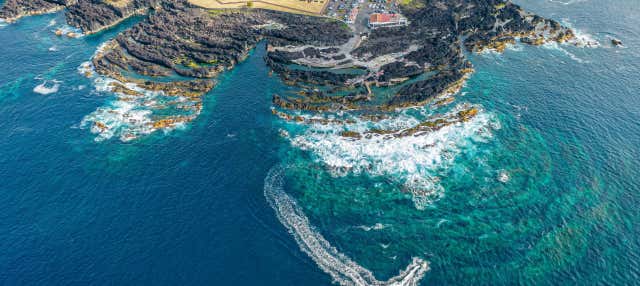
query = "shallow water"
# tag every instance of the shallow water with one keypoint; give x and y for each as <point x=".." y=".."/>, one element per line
<point x="544" y="191"/>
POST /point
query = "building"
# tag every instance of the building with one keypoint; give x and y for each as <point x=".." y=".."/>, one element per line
<point x="377" y="20"/>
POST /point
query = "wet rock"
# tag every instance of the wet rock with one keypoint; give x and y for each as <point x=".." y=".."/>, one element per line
<point x="616" y="42"/>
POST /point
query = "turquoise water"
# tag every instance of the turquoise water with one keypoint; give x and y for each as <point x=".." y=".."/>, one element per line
<point x="542" y="190"/>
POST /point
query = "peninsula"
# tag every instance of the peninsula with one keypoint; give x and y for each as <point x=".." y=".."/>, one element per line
<point x="333" y="51"/>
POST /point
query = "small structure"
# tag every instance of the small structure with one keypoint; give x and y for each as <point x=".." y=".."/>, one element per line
<point x="378" y="20"/>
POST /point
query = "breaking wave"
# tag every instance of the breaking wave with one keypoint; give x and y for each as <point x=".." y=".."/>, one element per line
<point x="47" y="87"/>
<point x="136" y="110"/>
<point x="582" y="38"/>
<point x="570" y="2"/>
<point x="133" y="115"/>
<point x="341" y="268"/>
<point x="417" y="161"/>
<point x="130" y="116"/>
<point x="66" y="30"/>
<point x="558" y="47"/>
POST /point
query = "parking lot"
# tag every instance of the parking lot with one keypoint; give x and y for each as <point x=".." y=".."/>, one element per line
<point x="345" y="10"/>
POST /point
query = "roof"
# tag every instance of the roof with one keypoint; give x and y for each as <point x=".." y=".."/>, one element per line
<point x="383" y="18"/>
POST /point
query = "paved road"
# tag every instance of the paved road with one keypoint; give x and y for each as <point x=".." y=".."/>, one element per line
<point x="362" y="20"/>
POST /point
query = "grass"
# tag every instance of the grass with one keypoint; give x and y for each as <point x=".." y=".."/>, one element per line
<point x="413" y="4"/>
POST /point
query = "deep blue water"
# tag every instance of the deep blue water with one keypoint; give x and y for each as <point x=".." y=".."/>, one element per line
<point x="187" y="207"/>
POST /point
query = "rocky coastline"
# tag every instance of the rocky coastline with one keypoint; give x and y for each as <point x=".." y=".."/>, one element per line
<point x="180" y="49"/>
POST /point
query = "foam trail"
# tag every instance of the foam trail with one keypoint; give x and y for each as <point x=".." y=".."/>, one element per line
<point x="341" y="268"/>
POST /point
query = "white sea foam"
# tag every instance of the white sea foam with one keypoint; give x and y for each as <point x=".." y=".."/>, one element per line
<point x="86" y="68"/>
<point x="585" y="40"/>
<point x="66" y="30"/>
<point x="53" y="49"/>
<point x="3" y="23"/>
<point x="120" y="118"/>
<point x="416" y="161"/>
<point x="47" y="87"/>
<point x="52" y="23"/>
<point x="582" y="39"/>
<point x="503" y="176"/>
<point x="569" y="2"/>
<point x="557" y="47"/>
<point x="341" y="268"/>
<point x="377" y="226"/>
<point x="509" y="47"/>
<point x="128" y="116"/>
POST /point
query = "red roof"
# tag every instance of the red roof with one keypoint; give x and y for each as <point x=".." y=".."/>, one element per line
<point x="382" y="18"/>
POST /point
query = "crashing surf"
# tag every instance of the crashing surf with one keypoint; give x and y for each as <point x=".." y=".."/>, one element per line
<point x="130" y="116"/>
<point x="66" y="30"/>
<point x="47" y="87"/>
<point x="395" y="148"/>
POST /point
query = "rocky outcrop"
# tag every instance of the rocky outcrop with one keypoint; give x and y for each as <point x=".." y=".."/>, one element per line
<point x="616" y="42"/>
<point x="428" y="50"/>
<point x="90" y="16"/>
<point x="13" y="10"/>
<point x="94" y="16"/>
<point x="333" y="68"/>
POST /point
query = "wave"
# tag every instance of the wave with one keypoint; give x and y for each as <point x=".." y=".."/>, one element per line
<point x="569" y="2"/>
<point x="130" y="116"/>
<point x="341" y="268"/>
<point x="119" y="118"/>
<point x="47" y="87"/>
<point x="377" y="226"/>
<point x="557" y="47"/>
<point x="417" y="161"/>
<point x="135" y="111"/>
<point x="582" y="38"/>
<point x="66" y="30"/>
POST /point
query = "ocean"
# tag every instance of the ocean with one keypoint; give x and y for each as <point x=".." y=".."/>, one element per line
<point x="541" y="188"/>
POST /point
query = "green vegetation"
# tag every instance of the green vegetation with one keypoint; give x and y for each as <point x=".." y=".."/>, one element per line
<point x="216" y="12"/>
<point x="412" y="4"/>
